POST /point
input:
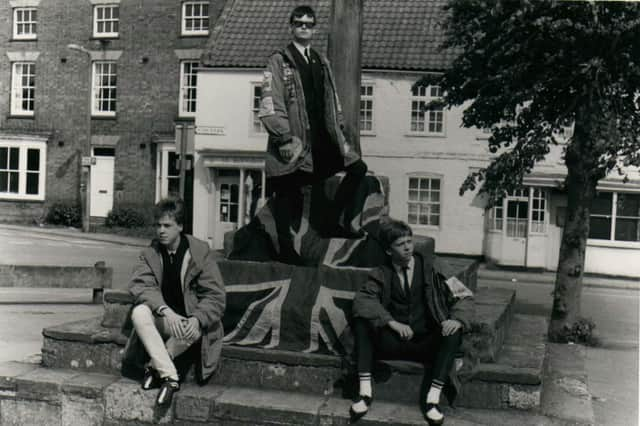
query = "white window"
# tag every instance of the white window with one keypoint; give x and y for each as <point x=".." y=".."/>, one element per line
<point x="517" y="213"/>
<point x="424" y="201"/>
<point x="615" y="216"/>
<point x="195" y="18"/>
<point x="496" y="218"/>
<point x="366" y="108"/>
<point x="106" y="19"/>
<point x="188" y="86"/>
<point x="25" y="23"/>
<point x="167" y="172"/>
<point x="23" y="88"/>
<point x="426" y="121"/>
<point x="104" y="89"/>
<point x="22" y="170"/>
<point x="256" y="95"/>
<point x="538" y="208"/>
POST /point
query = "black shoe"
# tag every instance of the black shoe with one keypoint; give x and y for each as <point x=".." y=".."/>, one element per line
<point x="355" y="416"/>
<point x="167" y="389"/>
<point x="150" y="379"/>
<point x="432" y="422"/>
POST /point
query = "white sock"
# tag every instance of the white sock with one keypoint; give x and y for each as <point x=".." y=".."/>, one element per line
<point x="365" y="384"/>
<point x="433" y="397"/>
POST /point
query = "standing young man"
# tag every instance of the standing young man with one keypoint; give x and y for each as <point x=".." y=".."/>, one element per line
<point x="405" y="311"/>
<point x="301" y="111"/>
<point x="179" y="301"/>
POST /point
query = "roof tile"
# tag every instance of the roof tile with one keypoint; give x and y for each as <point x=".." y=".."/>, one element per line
<point x="400" y="34"/>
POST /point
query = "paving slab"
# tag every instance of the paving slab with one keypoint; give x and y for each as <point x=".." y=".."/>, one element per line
<point x="566" y="393"/>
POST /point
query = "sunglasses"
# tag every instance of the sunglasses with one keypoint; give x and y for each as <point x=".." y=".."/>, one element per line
<point x="300" y="24"/>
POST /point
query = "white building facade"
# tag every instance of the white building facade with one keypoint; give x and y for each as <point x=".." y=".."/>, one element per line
<point x="425" y="155"/>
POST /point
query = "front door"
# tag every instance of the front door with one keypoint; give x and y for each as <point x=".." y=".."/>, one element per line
<point x="227" y="204"/>
<point x="102" y="174"/>
<point x="515" y="243"/>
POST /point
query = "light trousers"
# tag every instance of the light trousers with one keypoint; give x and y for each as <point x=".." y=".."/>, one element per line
<point x="156" y="337"/>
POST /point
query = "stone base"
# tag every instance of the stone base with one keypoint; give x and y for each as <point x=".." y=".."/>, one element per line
<point x="32" y="395"/>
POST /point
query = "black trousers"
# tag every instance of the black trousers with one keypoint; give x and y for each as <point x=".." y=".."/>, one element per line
<point x="288" y="198"/>
<point x="435" y="351"/>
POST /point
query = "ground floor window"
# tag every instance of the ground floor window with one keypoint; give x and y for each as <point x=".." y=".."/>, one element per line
<point x="615" y="216"/>
<point x="424" y="201"/>
<point x="22" y="170"/>
<point x="167" y="173"/>
<point x="520" y="213"/>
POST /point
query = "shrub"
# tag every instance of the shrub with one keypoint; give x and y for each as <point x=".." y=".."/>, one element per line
<point x="64" y="213"/>
<point x="581" y="331"/>
<point x="127" y="217"/>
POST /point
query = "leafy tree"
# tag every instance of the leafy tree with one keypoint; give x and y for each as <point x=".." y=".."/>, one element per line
<point x="528" y="68"/>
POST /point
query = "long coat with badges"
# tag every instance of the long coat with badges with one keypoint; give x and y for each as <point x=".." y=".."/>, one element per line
<point x="204" y="298"/>
<point x="284" y="115"/>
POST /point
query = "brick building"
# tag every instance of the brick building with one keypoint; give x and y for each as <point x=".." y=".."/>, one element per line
<point x="116" y="94"/>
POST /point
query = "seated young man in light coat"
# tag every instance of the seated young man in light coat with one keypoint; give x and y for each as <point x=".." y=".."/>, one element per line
<point x="179" y="301"/>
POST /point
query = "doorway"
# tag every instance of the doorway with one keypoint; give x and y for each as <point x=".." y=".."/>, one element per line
<point x="102" y="175"/>
<point x="227" y="203"/>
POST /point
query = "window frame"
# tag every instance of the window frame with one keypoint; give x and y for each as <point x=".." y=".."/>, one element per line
<point x="365" y="98"/>
<point x="254" y="118"/>
<point x="183" y="24"/>
<point x="185" y="89"/>
<point x="614" y="216"/>
<point x="423" y="99"/>
<point x="17" y="101"/>
<point x="31" y="24"/>
<point x="111" y="21"/>
<point x="23" y="147"/>
<point x="428" y="203"/>
<point x="95" y="90"/>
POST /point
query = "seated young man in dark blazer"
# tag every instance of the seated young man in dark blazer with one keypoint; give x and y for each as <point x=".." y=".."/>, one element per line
<point x="407" y="312"/>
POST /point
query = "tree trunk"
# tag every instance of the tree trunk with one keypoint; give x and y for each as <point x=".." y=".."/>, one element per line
<point x="582" y="179"/>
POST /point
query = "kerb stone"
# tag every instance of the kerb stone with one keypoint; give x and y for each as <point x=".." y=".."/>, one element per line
<point x="42" y="385"/>
<point x="24" y="413"/>
<point x="80" y="411"/>
<point x="195" y="403"/>
<point x="273" y="407"/>
<point x="126" y="401"/>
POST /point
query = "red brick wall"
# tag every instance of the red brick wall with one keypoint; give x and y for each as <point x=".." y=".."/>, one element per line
<point x="147" y="93"/>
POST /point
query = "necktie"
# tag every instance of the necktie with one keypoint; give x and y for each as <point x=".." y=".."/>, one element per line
<point x="306" y="55"/>
<point x="405" y="275"/>
<point x="172" y="258"/>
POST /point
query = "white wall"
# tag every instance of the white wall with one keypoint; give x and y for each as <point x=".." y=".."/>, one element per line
<point x="225" y="101"/>
<point x="393" y="152"/>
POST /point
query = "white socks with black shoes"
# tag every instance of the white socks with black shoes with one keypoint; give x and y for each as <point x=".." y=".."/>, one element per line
<point x="365" y="390"/>
<point x="433" y="397"/>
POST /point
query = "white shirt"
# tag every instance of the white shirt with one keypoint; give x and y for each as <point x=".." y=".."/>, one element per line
<point x="410" y="268"/>
<point x="301" y="49"/>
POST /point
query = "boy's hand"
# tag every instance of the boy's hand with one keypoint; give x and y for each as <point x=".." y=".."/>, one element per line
<point x="174" y="321"/>
<point x="404" y="331"/>
<point x="450" y="326"/>
<point x="191" y="328"/>
<point x="290" y="151"/>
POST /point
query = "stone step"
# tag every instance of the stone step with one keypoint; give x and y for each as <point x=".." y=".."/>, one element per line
<point x="90" y="346"/>
<point x="33" y="395"/>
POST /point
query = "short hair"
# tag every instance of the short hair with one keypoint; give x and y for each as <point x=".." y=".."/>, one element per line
<point x="392" y="229"/>
<point x="300" y="11"/>
<point x="172" y="207"/>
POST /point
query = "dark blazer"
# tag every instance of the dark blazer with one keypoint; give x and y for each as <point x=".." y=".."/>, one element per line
<point x="443" y="301"/>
